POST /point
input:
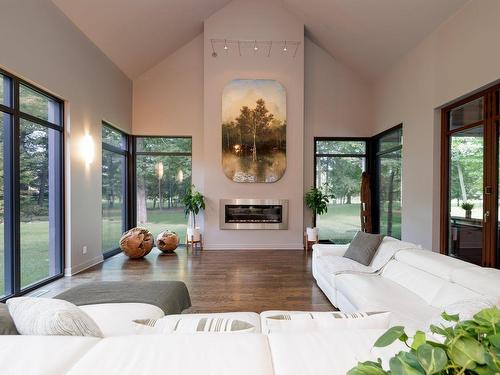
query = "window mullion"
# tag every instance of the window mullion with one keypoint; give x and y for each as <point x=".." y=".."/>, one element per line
<point x="12" y="198"/>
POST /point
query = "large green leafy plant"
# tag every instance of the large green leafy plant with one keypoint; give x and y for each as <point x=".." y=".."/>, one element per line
<point x="193" y="202"/>
<point x="317" y="201"/>
<point x="469" y="347"/>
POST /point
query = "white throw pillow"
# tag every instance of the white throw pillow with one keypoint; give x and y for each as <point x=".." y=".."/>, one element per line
<point x="465" y="309"/>
<point x="50" y="317"/>
<point x="318" y="321"/>
<point x="177" y="324"/>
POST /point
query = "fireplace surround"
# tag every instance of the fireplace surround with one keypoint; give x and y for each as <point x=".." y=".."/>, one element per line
<point x="253" y="214"/>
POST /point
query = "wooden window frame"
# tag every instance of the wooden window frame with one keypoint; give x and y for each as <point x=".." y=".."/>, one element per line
<point x="490" y="171"/>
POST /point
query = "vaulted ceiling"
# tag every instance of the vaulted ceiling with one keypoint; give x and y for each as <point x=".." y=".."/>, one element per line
<point x="368" y="35"/>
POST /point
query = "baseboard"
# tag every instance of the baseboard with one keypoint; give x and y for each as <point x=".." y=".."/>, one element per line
<point x="240" y="246"/>
<point x="71" y="271"/>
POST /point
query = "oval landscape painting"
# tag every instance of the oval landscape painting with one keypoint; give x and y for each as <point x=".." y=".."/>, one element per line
<point x="254" y="130"/>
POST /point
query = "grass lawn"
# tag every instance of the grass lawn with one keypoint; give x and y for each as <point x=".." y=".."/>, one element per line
<point x="34" y="253"/>
<point x="342" y="221"/>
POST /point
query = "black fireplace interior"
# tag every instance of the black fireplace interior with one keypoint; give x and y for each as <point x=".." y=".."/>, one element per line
<point x="251" y="213"/>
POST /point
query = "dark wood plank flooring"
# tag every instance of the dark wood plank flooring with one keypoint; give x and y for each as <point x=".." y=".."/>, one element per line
<point x="220" y="281"/>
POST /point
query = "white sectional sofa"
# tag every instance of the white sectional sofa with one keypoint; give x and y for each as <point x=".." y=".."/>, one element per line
<point x="413" y="283"/>
<point x="315" y="353"/>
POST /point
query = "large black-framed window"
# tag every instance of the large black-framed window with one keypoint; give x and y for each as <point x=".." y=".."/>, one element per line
<point x="32" y="196"/>
<point x="115" y="191"/>
<point x="163" y="168"/>
<point x="339" y="163"/>
<point x="387" y="182"/>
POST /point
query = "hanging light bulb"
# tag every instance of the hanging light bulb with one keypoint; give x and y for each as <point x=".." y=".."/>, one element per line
<point x="284" y="48"/>
<point x="255" y="48"/>
<point x="225" y="45"/>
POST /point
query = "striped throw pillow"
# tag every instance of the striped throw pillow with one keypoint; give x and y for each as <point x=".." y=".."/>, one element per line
<point x="323" y="315"/>
<point x="50" y="317"/>
<point x="318" y="321"/>
<point x="176" y="324"/>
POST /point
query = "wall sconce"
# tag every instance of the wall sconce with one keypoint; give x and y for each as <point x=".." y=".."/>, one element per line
<point x="159" y="170"/>
<point x="180" y="176"/>
<point x="87" y="149"/>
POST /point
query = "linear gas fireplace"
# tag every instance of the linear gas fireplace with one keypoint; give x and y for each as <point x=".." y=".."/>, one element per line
<point x="253" y="214"/>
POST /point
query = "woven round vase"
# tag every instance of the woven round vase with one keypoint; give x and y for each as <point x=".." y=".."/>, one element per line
<point x="137" y="242"/>
<point x="167" y="241"/>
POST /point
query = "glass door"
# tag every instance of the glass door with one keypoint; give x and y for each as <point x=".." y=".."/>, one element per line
<point x="470" y="170"/>
<point x="466" y="194"/>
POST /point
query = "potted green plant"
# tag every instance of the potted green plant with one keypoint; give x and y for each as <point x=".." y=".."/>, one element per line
<point x="193" y="202"/>
<point x="317" y="201"/>
<point x="468" y="347"/>
<point x="467" y="206"/>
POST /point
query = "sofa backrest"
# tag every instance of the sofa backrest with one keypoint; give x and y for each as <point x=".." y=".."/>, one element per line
<point x="442" y="280"/>
<point x="386" y="250"/>
<point x="422" y="283"/>
<point x="485" y="281"/>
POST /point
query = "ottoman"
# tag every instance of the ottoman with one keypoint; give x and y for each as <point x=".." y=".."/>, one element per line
<point x="114" y="305"/>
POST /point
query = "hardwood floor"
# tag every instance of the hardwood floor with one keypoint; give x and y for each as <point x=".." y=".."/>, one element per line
<point x="220" y="281"/>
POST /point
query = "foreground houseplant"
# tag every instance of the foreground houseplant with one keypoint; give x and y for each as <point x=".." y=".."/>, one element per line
<point x="193" y="202"/>
<point x="317" y="201"/>
<point x="469" y="347"/>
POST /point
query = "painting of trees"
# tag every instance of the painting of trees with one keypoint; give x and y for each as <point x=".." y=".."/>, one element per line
<point x="254" y="131"/>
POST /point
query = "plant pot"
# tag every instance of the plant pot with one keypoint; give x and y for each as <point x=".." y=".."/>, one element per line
<point x="194" y="234"/>
<point x="312" y="234"/>
<point x="468" y="214"/>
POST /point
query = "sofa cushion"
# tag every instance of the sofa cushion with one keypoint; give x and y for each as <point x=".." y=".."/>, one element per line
<point x="387" y="249"/>
<point x="451" y="293"/>
<point x="332" y="265"/>
<point x="375" y="293"/>
<point x="45" y="316"/>
<point x="362" y="247"/>
<point x="7" y="326"/>
<point x="466" y="309"/>
<point x="116" y="319"/>
<point x="183" y="354"/>
<point x="42" y="355"/>
<point x="326" y="353"/>
<point x="417" y="281"/>
<point x="434" y="263"/>
<point x="484" y="281"/>
<point x="302" y="321"/>
<point x="320" y="249"/>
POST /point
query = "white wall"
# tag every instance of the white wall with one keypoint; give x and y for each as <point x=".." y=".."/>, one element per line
<point x="168" y="100"/>
<point x="253" y="20"/>
<point x="41" y="45"/>
<point x="458" y="58"/>
<point x="338" y="103"/>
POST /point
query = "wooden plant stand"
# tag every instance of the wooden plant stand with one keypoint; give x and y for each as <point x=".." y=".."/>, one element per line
<point x="308" y="244"/>
<point x="194" y="244"/>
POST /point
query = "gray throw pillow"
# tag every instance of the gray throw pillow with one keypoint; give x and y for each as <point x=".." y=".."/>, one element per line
<point x="363" y="247"/>
<point x="7" y="326"/>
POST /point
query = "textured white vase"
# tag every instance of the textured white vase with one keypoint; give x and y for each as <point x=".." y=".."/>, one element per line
<point x="312" y="234"/>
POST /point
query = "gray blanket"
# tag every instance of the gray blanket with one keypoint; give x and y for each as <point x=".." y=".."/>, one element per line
<point x="170" y="296"/>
